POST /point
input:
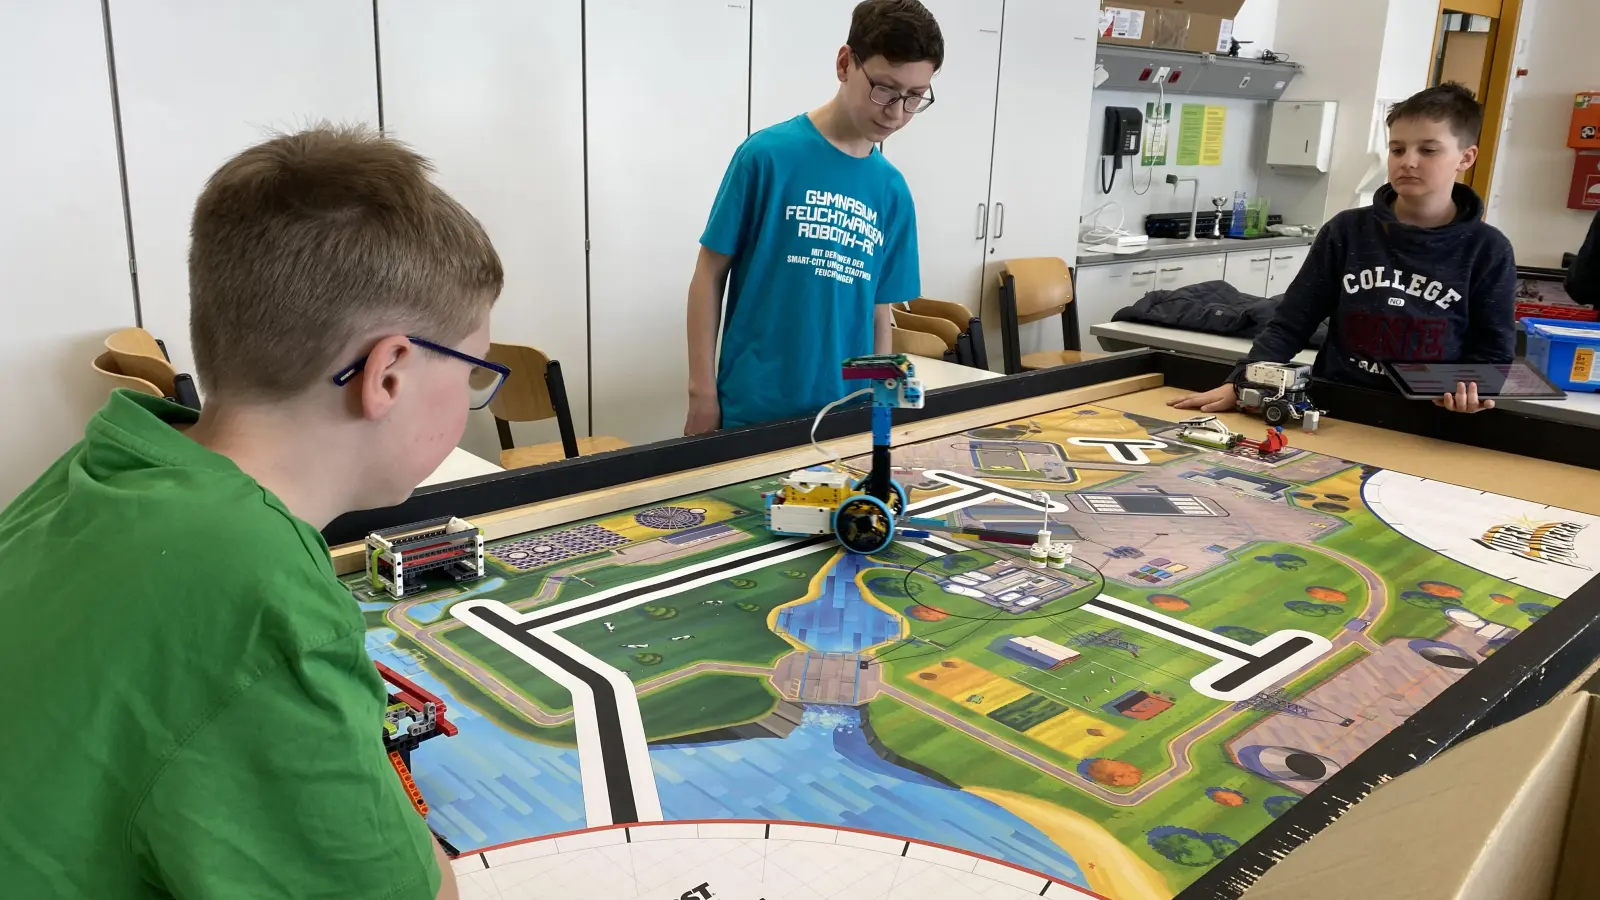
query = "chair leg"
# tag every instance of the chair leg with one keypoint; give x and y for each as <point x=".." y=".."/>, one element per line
<point x="1070" y="339"/>
<point x="558" y="399"/>
<point x="964" y="350"/>
<point x="980" y="353"/>
<point x="1009" y="338"/>
<point x="503" y="428"/>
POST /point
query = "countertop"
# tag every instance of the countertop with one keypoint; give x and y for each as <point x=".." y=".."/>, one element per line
<point x="1168" y="248"/>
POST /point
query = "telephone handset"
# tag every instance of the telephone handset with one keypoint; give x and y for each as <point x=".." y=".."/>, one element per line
<point x="1121" y="138"/>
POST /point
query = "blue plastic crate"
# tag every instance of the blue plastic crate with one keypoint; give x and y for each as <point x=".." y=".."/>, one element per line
<point x="1567" y="352"/>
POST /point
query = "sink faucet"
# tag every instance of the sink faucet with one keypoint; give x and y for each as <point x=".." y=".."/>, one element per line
<point x="1194" y="204"/>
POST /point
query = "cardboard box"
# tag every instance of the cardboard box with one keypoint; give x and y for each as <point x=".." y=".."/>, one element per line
<point x="1513" y="814"/>
<point x="1200" y="25"/>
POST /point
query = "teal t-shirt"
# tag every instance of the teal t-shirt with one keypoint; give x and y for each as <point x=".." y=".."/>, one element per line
<point x="193" y="713"/>
<point x="818" y="238"/>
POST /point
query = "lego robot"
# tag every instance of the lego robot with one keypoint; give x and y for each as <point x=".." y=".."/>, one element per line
<point x="1278" y="392"/>
<point x="864" y="514"/>
<point x="1208" y="431"/>
<point x="860" y="513"/>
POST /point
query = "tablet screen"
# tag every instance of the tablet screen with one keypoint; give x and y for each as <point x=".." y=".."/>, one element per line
<point x="1517" y="379"/>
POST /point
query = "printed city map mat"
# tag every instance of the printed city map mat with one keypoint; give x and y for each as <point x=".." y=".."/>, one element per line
<point x="942" y="719"/>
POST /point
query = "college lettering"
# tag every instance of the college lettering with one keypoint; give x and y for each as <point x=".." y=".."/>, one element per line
<point x="1380" y="336"/>
<point x="1382" y="277"/>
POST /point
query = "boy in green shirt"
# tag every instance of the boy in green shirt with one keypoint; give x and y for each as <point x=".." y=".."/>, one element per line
<point x="193" y="710"/>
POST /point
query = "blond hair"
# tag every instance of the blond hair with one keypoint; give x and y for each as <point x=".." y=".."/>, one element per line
<point x="305" y="244"/>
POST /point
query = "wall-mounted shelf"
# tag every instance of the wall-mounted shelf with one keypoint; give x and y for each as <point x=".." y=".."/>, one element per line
<point x="1198" y="74"/>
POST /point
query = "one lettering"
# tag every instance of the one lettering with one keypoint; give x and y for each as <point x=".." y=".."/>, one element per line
<point x="1350" y="286"/>
<point x="1449" y="298"/>
<point x="1432" y="293"/>
<point x="1417" y="281"/>
<point x="1366" y="279"/>
<point x="703" y="892"/>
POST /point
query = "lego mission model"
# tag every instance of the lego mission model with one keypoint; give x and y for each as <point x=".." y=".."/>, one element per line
<point x="398" y="558"/>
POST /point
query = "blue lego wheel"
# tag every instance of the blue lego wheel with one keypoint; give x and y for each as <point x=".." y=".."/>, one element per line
<point x="863" y="524"/>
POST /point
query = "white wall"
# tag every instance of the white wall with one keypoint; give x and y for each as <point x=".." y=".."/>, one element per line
<point x="1533" y="167"/>
<point x="1257" y="22"/>
<point x="201" y="82"/>
<point x="63" y="248"/>
<point x="1244" y="152"/>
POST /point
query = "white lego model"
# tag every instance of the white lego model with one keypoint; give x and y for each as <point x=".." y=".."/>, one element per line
<point x="1278" y="392"/>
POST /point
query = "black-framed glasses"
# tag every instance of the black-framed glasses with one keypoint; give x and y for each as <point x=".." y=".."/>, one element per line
<point x="482" y="384"/>
<point x="884" y="95"/>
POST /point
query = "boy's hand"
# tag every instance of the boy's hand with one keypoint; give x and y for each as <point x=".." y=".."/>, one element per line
<point x="705" y="413"/>
<point x="1220" y="399"/>
<point x="1464" y="400"/>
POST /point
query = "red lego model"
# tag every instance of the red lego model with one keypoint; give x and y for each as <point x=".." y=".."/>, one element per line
<point x="1274" y="442"/>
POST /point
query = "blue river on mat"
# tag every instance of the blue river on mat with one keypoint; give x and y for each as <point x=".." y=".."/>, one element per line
<point x="489" y="786"/>
<point x="839" y="621"/>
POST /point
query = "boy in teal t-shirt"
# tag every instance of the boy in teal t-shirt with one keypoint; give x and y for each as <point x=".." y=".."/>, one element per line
<point x="814" y="234"/>
<point x="195" y="713"/>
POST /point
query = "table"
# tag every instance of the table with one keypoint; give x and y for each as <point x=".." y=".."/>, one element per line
<point x="938" y="373"/>
<point x="458" y="465"/>
<point x="656" y="697"/>
<point x="1579" y="408"/>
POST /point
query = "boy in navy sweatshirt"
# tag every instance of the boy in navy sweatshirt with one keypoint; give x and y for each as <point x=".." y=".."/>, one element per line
<point x="1418" y="276"/>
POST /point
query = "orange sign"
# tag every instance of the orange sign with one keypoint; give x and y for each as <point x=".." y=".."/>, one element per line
<point x="1585" y="131"/>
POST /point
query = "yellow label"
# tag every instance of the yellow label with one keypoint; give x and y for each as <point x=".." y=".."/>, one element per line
<point x="1582" y="364"/>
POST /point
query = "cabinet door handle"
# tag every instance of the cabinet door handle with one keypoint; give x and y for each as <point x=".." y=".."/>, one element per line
<point x="1262" y="259"/>
<point x="983" y="221"/>
<point x="1151" y="272"/>
<point x="1175" y="269"/>
<point x="999" y="219"/>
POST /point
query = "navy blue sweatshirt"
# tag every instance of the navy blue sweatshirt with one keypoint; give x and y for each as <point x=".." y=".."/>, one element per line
<point x="1394" y="292"/>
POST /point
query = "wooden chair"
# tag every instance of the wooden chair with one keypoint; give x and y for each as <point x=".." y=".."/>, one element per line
<point x="133" y="353"/>
<point x="106" y="366"/>
<point x="970" y="349"/>
<point x="533" y="392"/>
<point x="947" y="334"/>
<point x="917" y="343"/>
<point x="1034" y="289"/>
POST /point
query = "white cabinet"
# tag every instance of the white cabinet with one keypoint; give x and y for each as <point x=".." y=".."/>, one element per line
<point x="1172" y="274"/>
<point x="63" y="248"/>
<point x="1047" y="63"/>
<point x="492" y="92"/>
<point x="793" y="45"/>
<point x="199" y="82"/>
<point x="1099" y="291"/>
<point x="1286" y="263"/>
<point x="1247" y="270"/>
<point x="668" y="93"/>
<point x="945" y="152"/>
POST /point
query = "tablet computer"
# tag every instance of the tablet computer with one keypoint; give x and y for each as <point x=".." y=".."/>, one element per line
<point x="1425" y="381"/>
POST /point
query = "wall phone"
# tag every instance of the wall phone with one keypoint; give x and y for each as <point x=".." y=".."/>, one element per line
<point x="1121" y="138"/>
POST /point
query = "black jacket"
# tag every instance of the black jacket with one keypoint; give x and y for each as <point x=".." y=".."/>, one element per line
<point x="1395" y="292"/>
<point x="1212" y="307"/>
<point x="1583" y="276"/>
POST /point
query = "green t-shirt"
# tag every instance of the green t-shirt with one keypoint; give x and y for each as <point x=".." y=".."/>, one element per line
<point x="192" y="710"/>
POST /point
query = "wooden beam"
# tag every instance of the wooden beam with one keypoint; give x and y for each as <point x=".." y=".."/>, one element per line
<point x="349" y="558"/>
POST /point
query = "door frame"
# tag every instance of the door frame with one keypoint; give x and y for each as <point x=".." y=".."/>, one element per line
<point x="1505" y="16"/>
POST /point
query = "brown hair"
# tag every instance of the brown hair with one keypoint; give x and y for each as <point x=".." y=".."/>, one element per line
<point x="900" y="31"/>
<point x="305" y="244"/>
<point x="1451" y="103"/>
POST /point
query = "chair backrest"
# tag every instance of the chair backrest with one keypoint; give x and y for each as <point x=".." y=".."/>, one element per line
<point x="917" y="343"/>
<point x="1043" y="287"/>
<point x="106" y="366"/>
<point x="938" y="327"/>
<point x="136" y="354"/>
<point x="525" y="397"/>
<point x="951" y="312"/>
